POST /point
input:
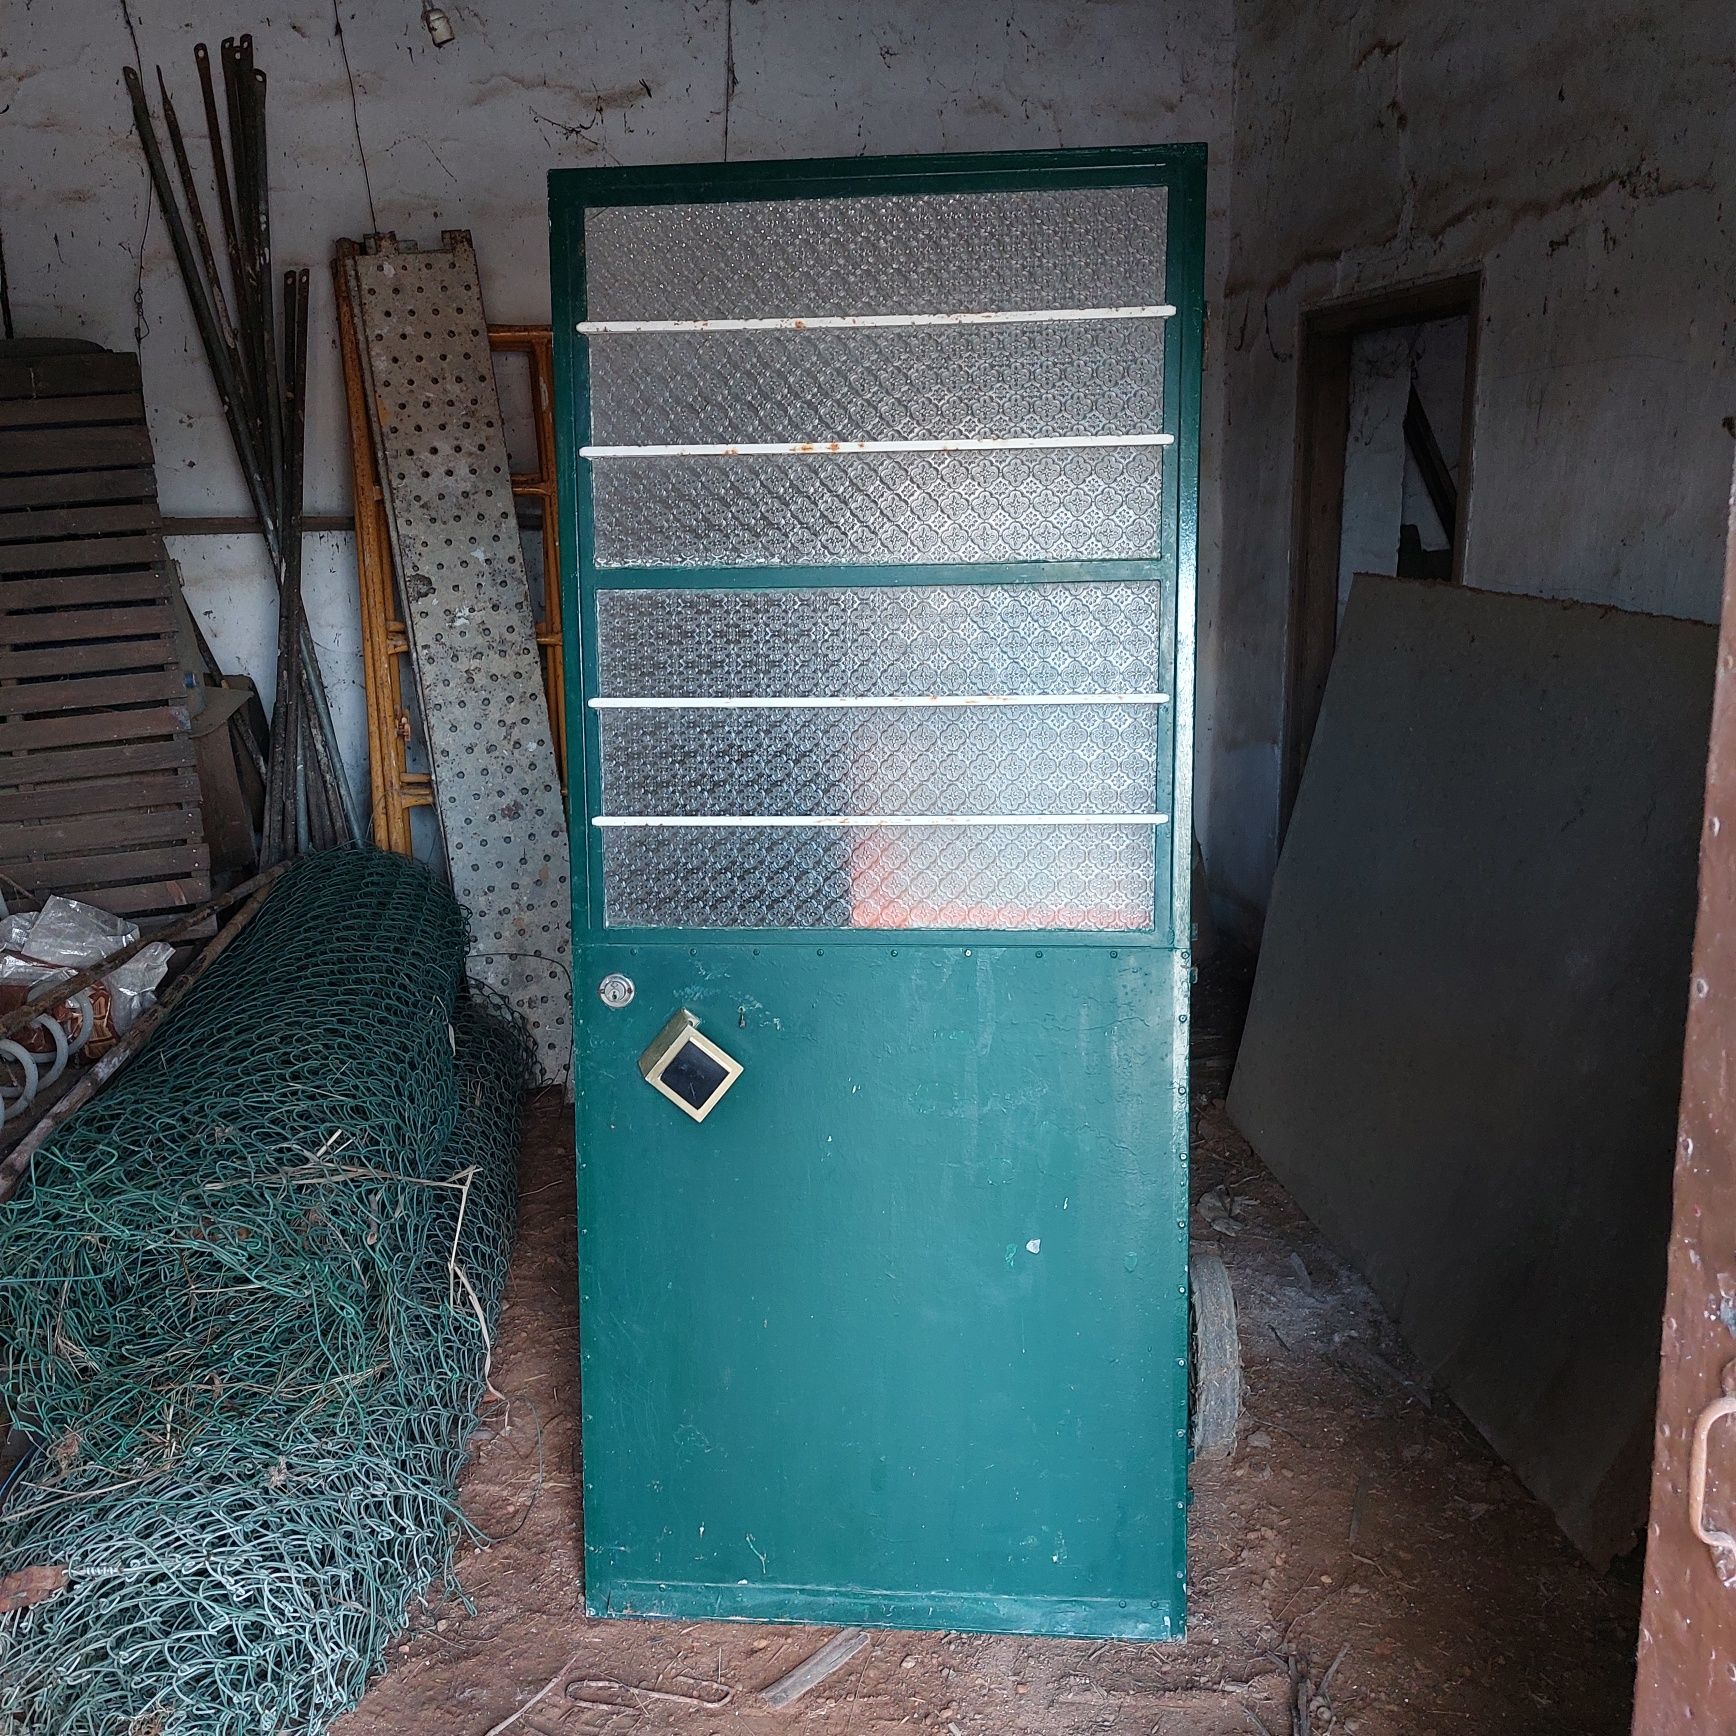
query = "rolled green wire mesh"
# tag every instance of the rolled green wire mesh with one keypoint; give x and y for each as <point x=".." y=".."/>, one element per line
<point x="246" y="1305"/>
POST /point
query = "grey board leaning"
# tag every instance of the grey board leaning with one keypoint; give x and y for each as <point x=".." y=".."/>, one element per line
<point x="1464" y="1050"/>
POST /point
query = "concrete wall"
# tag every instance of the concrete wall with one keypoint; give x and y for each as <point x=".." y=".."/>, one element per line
<point x="1581" y="157"/>
<point x="377" y="129"/>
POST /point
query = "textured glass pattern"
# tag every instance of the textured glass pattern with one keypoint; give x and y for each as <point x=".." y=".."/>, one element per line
<point x="879" y="641"/>
<point x="1046" y="380"/>
<point x="1009" y="877"/>
<point x="928" y="253"/>
<point x="1063" y="759"/>
<point x="879" y="508"/>
<point x="883" y="642"/>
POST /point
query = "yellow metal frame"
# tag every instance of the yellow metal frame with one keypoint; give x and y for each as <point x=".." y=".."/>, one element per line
<point x="395" y="790"/>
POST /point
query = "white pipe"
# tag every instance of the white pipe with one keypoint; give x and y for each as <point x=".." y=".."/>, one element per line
<point x="853" y="702"/>
<point x="807" y="448"/>
<point x="865" y="820"/>
<point x="836" y="322"/>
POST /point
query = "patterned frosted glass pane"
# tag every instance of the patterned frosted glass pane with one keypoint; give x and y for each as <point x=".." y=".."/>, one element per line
<point x="879" y="508"/>
<point x="1011" y="877"/>
<point x="879" y="641"/>
<point x="928" y="253"/>
<point x="1026" y="759"/>
<point x="920" y="383"/>
<point x="1102" y="758"/>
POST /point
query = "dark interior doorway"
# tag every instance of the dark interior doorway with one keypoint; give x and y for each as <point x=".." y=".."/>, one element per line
<point x="1383" y="467"/>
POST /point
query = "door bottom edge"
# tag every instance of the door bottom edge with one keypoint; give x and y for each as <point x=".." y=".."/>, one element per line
<point x="1137" y="1618"/>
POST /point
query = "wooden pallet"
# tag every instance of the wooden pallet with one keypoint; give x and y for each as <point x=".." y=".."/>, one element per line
<point x="99" y="798"/>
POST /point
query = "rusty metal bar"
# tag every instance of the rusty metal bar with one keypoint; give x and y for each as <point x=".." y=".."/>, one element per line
<point x="383" y="637"/>
<point x="536" y="343"/>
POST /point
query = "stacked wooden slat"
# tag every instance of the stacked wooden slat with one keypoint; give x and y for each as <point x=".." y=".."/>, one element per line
<point x="98" y="794"/>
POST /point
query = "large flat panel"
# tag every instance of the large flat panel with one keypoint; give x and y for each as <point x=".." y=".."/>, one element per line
<point x="930" y="253"/>
<point x="1464" y="1050"/>
<point x="897" y="1333"/>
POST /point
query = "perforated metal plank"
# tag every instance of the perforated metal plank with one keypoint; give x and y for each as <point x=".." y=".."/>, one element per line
<point x="445" y="474"/>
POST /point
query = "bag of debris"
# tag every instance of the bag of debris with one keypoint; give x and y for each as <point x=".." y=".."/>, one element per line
<point x="40" y="948"/>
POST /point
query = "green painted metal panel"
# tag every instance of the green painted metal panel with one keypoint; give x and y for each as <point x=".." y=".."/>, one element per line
<point x="898" y="1334"/>
<point x="892" y="1333"/>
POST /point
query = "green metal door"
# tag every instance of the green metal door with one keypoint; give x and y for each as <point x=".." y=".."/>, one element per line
<point x="879" y="482"/>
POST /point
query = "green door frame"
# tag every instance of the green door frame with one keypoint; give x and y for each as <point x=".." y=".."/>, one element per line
<point x="1161" y="952"/>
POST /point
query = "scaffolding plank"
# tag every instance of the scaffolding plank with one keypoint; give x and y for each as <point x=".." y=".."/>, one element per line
<point x="473" y="638"/>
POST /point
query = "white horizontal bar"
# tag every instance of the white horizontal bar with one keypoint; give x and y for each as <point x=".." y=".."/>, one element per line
<point x="805" y="448"/>
<point x="866" y="820"/>
<point x="853" y="702"/>
<point x="838" y="322"/>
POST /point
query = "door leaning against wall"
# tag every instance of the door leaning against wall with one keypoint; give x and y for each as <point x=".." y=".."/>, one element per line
<point x="878" y="490"/>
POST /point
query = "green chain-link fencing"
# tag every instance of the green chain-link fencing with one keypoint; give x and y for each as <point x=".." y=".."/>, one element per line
<point x="246" y="1304"/>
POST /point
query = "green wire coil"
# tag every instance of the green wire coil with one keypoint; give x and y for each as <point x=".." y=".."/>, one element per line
<point x="246" y="1307"/>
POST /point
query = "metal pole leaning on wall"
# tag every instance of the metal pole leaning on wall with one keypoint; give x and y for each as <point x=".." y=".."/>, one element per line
<point x="259" y="405"/>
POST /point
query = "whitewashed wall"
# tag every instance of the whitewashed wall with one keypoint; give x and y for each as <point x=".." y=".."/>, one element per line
<point x="413" y="139"/>
<point x="1583" y="156"/>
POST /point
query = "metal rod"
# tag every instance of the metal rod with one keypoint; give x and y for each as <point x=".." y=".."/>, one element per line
<point x="876" y="702"/>
<point x="229" y="389"/>
<point x="873" y="820"/>
<point x="247" y="417"/>
<point x="875" y="321"/>
<point x="830" y="448"/>
<point x="246" y="282"/>
<point x="219" y="164"/>
<point x="328" y="802"/>
<point x="196" y="216"/>
<point x="282" y="837"/>
<point x="253" y="107"/>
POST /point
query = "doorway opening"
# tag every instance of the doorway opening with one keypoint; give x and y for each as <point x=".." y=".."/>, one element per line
<point x="1383" y="467"/>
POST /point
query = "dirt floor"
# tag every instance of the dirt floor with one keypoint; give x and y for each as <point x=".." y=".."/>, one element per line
<point x="1362" y="1563"/>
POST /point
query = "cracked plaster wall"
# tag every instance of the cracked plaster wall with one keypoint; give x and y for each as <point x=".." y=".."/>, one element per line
<point x="1581" y="157"/>
<point x="463" y="137"/>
